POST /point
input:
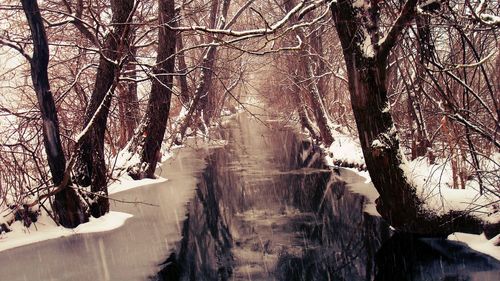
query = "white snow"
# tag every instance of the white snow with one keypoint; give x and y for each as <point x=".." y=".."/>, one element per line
<point x="367" y="44"/>
<point x="125" y="182"/>
<point x="434" y="184"/>
<point x="346" y="149"/>
<point x="490" y="19"/>
<point x="46" y="229"/>
<point x="361" y="4"/>
<point x="366" y="189"/>
<point x="479" y="243"/>
<point x="377" y="144"/>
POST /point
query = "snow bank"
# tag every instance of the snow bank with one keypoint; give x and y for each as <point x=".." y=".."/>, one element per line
<point x="434" y="184"/>
<point x="479" y="243"/>
<point x="346" y="149"/>
<point x="125" y="182"/>
<point x="366" y="189"/>
<point x="46" y="229"/>
<point x="433" y="181"/>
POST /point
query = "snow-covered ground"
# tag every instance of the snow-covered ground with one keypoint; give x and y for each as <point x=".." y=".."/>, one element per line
<point x="434" y="186"/>
<point x="45" y="228"/>
<point x="479" y="243"/>
<point x="345" y="149"/>
<point x="125" y="182"/>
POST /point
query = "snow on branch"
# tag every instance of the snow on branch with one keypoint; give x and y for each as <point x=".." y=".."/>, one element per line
<point x="407" y="14"/>
<point x="15" y="47"/>
<point x="259" y="31"/>
<point x="480" y="14"/>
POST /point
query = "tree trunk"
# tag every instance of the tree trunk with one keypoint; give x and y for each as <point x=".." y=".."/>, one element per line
<point x="182" y="66"/>
<point x="128" y="103"/>
<point x="314" y="84"/>
<point x="68" y="208"/>
<point x="150" y="136"/>
<point x="208" y="100"/>
<point x="305" y="121"/>
<point x="322" y="118"/>
<point x="90" y="167"/>
<point x="425" y="50"/>
<point x="200" y="93"/>
<point x="366" y="69"/>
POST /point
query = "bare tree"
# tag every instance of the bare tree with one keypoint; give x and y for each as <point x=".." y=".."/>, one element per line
<point x="147" y="142"/>
<point x="90" y="167"/>
<point x="67" y="205"/>
<point x="366" y="50"/>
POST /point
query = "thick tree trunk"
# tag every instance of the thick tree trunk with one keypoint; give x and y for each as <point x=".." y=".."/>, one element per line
<point x="68" y="208"/>
<point x="90" y="167"/>
<point x="152" y="130"/>
<point x="366" y="69"/>
<point x="398" y="202"/>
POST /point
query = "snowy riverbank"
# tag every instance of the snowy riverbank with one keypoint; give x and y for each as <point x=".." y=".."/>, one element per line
<point x="433" y="183"/>
<point x="45" y="228"/>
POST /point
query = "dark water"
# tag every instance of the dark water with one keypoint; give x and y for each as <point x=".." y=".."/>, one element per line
<point x="263" y="210"/>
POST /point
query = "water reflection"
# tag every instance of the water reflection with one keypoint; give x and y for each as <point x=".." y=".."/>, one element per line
<point x="408" y="257"/>
<point x="266" y="209"/>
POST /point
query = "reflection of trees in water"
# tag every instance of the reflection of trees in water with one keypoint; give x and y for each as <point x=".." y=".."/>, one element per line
<point x="205" y="252"/>
<point x="347" y="238"/>
<point x="260" y="181"/>
<point x="258" y="214"/>
<point x="409" y="257"/>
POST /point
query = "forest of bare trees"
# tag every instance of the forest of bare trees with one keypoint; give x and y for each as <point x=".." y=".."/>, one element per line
<point x="87" y="82"/>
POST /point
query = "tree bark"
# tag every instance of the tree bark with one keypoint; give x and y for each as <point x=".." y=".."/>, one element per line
<point x="150" y="136"/>
<point x="208" y="100"/>
<point x="182" y="66"/>
<point x="128" y="103"/>
<point x="200" y="93"/>
<point x="305" y="121"/>
<point x="90" y="167"/>
<point x="398" y="202"/>
<point x="322" y="118"/>
<point x="67" y="205"/>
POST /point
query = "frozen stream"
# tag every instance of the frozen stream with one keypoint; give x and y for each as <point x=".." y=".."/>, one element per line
<point x="258" y="209"/>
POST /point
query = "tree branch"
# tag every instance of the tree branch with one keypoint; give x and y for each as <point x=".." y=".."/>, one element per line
<point x="407" y="14"/>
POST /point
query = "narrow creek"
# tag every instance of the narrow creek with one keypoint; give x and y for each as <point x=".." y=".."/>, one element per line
<point x="262" y="207"/>
<point x="267" y="209"/>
